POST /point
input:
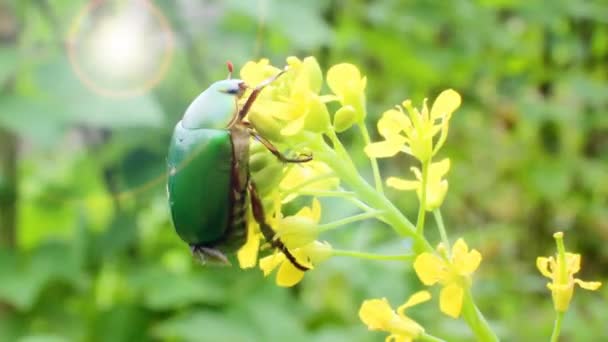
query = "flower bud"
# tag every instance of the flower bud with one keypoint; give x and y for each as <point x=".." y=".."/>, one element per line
<point x="266" y="125"/>
<point x="317" y="120"/>
<point x="344" y="118"/>
<point x="268" y="178"/>
<point x="297" y="231"/>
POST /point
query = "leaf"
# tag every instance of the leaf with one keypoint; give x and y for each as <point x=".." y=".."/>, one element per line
<point x="57" y="100"/>
<point x="22" y="279"/>
<point x="186" y="289"/>
<point x="8" y="63"/>
<point x="202" y="326"/>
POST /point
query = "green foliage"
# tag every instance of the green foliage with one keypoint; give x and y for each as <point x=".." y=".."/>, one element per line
<point x="96" y="257"/>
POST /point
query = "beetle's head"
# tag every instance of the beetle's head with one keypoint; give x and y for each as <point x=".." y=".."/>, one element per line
<point x="233" y="87"/>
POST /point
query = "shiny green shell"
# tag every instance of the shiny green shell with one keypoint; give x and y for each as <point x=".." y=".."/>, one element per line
<point x="200" y="168"/>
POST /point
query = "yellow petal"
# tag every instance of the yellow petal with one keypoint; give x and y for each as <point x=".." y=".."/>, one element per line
<point x="402" y="184"/>
<point x="459" y="249"/>
<point x="376" y="313"/>
<point x="385" y="149"/>
<point x="445" y="104"/>
<point x="542" y="263"/>
<point x="269" y="263"/>
<point x="588" y="285"/>
<point x="344" y="77"/>
<point x="254" y="73"/>
<point x="450" y="300"/>
<point x="248" y="254"/>
<point x="297" y="231"/>
<point x="415" y="299"/>
<point x="436" y="193"/>
<point x="288" y="275"/>
<point x="439" y="169"/>
<point x="573" y="263"/>
<point x="313" y="70"/>
<point x="393" y="122"/>
<point x="294" y="126"/>
<point x="467" y="263"/>
<point x="429" y="268"/>
<point x="316" y="210"/>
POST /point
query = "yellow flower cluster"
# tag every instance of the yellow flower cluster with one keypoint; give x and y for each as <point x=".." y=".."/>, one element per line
<point x="452" y="271"/>
<point x="414" y="133"/>
<point x="420" y="134"/>
<point x="377" y="314"/>
<point x="292" y="108"/>
<point x="561" y="269"/>
<point x="293" y="104"/>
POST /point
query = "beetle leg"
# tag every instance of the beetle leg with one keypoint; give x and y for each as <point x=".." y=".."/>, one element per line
<point x="254" y="94"/>
<point x="303" y="158"/>
<point x="269" y="235"/>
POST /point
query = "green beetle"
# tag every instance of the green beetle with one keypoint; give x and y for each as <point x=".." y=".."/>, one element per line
<point x="209" y="184"/>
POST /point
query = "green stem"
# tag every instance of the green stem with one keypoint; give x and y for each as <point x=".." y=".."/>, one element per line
<point x="557" y="326"/>
<point x="349" y="175"/>
<point x="360" y="204"/>
<point x="339" y="148"/>
<point x="441" y="227"/>
<point x="342" y="194"/>
<point x="429" y="338"/>
<point x="339" y="223"/>
<point x="309" y="181"/>
<point x="372" y="256"/>
<point x="422" y="207"/>
<point x="474" y="318"/>
<point x="375" y="169"/>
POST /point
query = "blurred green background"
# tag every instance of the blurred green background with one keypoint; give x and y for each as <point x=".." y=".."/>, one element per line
<point x="90" y="92"/>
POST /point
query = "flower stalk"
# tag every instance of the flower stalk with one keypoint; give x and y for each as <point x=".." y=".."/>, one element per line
<point x="292" y="113"/>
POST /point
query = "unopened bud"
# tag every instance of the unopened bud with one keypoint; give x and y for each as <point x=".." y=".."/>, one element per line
<point x="344" y="118"/>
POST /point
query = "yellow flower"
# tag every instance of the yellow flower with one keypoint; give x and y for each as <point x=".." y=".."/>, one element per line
<point x="288" y="275"/>
<point x="561" y="270"/>
<point x="377" y="314"/>
<point x="452" y="272"/>
<point x="346" y="82"/>
<point x="254" y="73"/>
<point x="436" y="186"/>
<point x="291" y="103"/>
<point x="247" y="255"/>
<point x="300" y="229"/>
<point x="298" y="233"/>
<point x="414" y="133"/>
<point x="306" y="177"/>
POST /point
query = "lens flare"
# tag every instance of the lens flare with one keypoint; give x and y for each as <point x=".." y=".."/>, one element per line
<point x="120" y="48"/>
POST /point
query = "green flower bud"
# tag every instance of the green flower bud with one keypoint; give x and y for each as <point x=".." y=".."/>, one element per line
<point x="344" y="118"/>
<point x="317" y="120"/>
<point x="266" y="125"/>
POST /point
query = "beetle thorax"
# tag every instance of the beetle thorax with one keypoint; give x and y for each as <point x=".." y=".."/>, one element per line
<point x="215" y="107"/>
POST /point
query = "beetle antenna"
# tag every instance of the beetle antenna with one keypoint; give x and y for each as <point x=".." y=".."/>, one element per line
<point x="230" y="68"/>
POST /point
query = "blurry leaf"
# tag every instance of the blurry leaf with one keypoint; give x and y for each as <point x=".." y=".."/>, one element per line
<point x="549" y="178"/>
<point x="203" y="326"/>
<point x="120" y="235"/>
<point x="267" y="315"/>
<point x="23" y="279"/>
<point x="8" y="63"/>
<point x="43" y="338"/>
<point x="185" y="289"/>
<point x="122" y="323"/>
<point x="300" y="21"/>
<point x="59" y="100"/>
